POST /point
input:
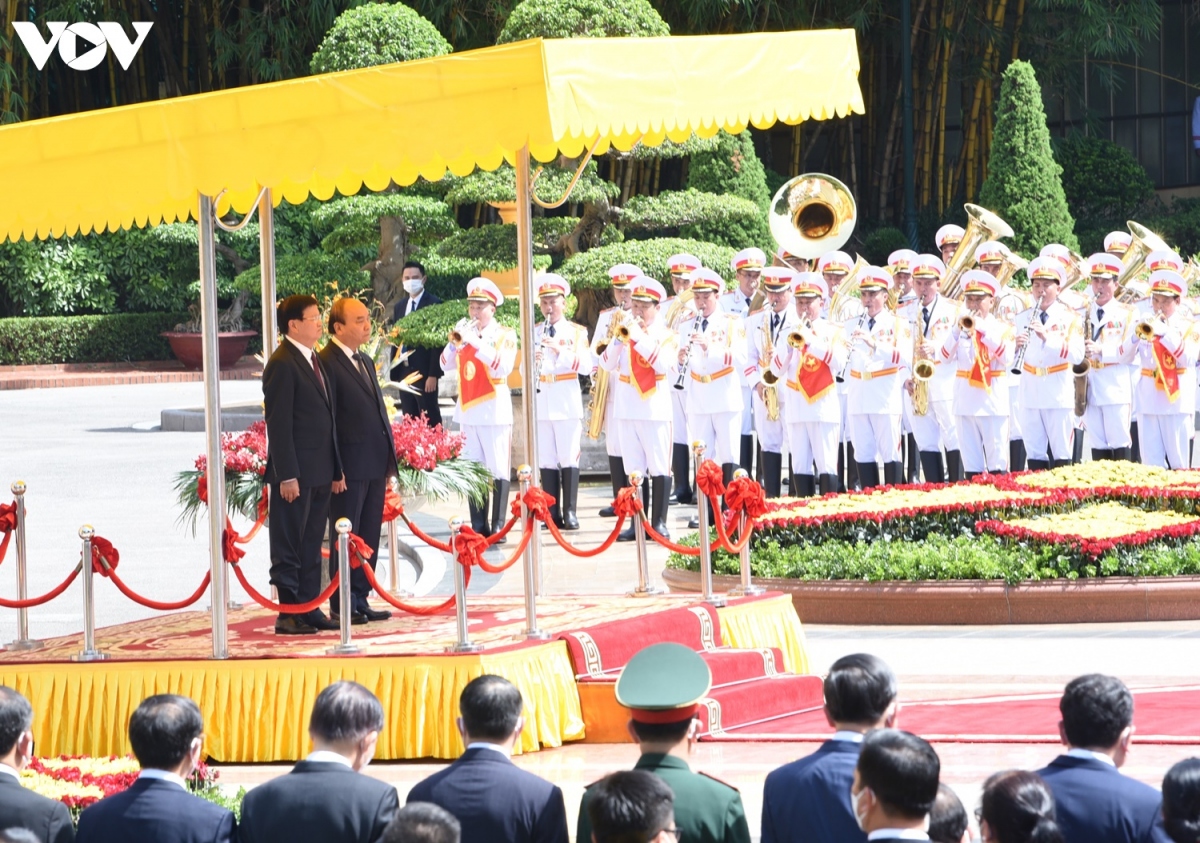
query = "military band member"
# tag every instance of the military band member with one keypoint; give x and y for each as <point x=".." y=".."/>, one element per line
<point x="484" y="352"/>
<point x="680" y="267"/>
<point x="620" y="275"/>
<point x="1052" y="336"/>
<point x="981" y="354"/>
<point x="900" y="263"/>
<point x="765" y="330"/>
<point x="933" y="318"/>
<point x="1117" y="243"/>
<point x="900" y="266"/>
<point x="1166" y="388"/>
<point x="747" y="266"/>
<point x="794" y="262"/>
<point x="563" y="354"/>
<point x="1109" y="348"/>
<point x="991" y="257"/>
<point x="713" y="345"/>
<point x="834" y="267"/>
<point x="947" y="239"/>
<point x="806" y="373"/>
<point x="643" y="369"/>
<point x="880" y="360"/>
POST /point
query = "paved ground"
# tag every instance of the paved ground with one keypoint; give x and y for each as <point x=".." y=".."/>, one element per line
<point x="93" y="455"/>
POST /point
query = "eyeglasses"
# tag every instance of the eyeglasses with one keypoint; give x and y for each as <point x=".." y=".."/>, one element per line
<point x="979" y="815"/>
<point x="675" y="832"/>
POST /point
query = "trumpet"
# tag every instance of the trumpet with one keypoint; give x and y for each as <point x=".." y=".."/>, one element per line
<point x="966" y="322"/>
<point x="1146" y="330"/>
<point x="623" y="333"/>
<point x="797" y="338"/>
<point x="456" y="333"/>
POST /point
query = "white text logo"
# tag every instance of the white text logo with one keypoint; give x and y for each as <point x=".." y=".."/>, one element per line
<point x="97" y="38"/>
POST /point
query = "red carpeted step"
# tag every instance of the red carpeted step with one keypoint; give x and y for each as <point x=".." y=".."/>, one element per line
<point x="605" y="648"/>
<point x="731" y="666"/>
<point x="758" y="700"/>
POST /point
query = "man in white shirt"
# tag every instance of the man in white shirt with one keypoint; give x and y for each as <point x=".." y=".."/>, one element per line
<point x="895" y="785"/>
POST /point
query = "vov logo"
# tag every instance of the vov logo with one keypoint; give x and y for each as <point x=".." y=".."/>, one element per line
<point x="98" y="37"/>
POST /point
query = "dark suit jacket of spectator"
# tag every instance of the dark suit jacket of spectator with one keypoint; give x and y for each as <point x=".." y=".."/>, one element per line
<point x="47" y="818"/>
<point x="496" y="801"/>
<point x="319" y="801"/>
<point x="1095" y="803"/>
<point x="808" y="800"/>
<point x="301" y="435"/>
<point x="424" y="360"/>
<point x="364" y="434"/>
<point x="152" y="809"/>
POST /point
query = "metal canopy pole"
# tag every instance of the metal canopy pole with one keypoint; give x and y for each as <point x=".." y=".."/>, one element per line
<point x="266" y="258"/>
<point x="212" y="427"/>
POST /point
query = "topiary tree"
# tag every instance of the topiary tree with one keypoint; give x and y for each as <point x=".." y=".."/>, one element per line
<point x="674" y="211"/>
<point x="732" y="168"/>
<point x="1024" y="184"/>
<point x="882" y="242"/>
<point x="378" y="33"/>
<point x="1104" y="184"/>
<point x="582" y="19"/>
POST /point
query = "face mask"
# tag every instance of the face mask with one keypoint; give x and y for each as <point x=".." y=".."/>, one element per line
<point x="412" y="286"/>
<point x="859" y="818"/>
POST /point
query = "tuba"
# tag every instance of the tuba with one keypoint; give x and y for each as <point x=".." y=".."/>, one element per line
<point x="1143" y="242"/>
<point x="812" y="214"/>
<point x="982" y="225"/>
<point x="679" y="309"/>
<point x="839" y="302"/>
<point x="599" y="400"/>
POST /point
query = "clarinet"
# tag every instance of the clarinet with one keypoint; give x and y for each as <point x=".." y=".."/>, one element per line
<point x="862" y="317"/>
<point x="1019" y="360"/>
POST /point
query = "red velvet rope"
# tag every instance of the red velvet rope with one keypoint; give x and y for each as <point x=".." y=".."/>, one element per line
<point x="495" y="537"/>
<point x="155" y="604"/>
<point x="423" y="536"/>
<point x="45" y="598"/>
<point x="8" y="525"/>
<point x="575" y="551"/>
<point x="526" y="535"/>
<point x="285" y="608"/>
<point x="408" y="607"/>
<point x="668" y="544"/>
<point x="469" y="547"/>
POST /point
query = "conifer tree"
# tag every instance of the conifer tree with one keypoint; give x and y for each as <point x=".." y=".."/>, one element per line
<point x="1024" y="182"/>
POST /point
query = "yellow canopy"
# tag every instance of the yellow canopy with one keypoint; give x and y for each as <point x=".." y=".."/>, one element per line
<point x="146" y="164"/>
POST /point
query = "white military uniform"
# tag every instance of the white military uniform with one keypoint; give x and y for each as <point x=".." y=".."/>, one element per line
<point x="713" y="384"/>
<point x="1109" y="394"/>
<point x="612" y="443"/>
<point x="981" y="412"/>
<point x="679" y="429"/>
<point x="487" y="423"/>
<point x="876" y="377"/>
<point x="937" y="428"/>
<point x="1163" y="424"/>
<point x="813" y="420"/>
<point x="766" y="330"/>
<point x="1047" y="385"/>
<point x="643" y="422"/>
<point x="565" y="356"/>
<point x="738" y="303"/>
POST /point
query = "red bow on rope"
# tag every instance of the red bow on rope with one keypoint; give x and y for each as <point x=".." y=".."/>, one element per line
<point x="710" y="480"/>
<point x="8" y="517"/>
<point x="628" y="503"/>
<point x="103" y="552"/>
<point x="538" y="501"/>
<point x="229" y="549"/>
<point x="359" y="549"/>
<point x="743" y="493"/>
<point x="469" y="547"/>
<point x="393" y="506"/>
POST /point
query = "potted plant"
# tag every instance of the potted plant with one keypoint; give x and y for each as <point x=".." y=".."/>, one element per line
<point x="187" y="341"/>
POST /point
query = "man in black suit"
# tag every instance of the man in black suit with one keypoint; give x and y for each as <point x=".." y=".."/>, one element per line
<point x="895" y="786"/>
<point x="808" y="801"/>
<point x="495" y="800"/>
<point x="326" y="797"/>
<point x="303" y="465"/>
<point x="365" y="443"/>
<point x="423" y="361"/>
<point x="48" y="819"/>
<point x="1094" y="803"/>
<point x="167" y="735"/>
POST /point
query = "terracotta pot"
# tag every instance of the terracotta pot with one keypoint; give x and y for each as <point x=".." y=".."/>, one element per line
<point x="188" y="348"/>
<point x="506" y="210"/>
<point x="950" y="602"/>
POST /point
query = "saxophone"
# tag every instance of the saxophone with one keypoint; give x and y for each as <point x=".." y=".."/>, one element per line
<point x="770" y="391"/>
<point x="922" y="372"/>
<point x="599" y="400"/>
<point x="1080" y="370"/>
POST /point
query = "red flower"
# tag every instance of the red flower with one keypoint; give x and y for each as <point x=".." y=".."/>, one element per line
<point x="421" y="447"/>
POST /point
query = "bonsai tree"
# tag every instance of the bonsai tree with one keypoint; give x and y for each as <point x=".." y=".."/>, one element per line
<point x="582" y="19"/>
<point x="732" y="168"/>
<point x="1024" y="182"/>
<point x="378" y="33"/>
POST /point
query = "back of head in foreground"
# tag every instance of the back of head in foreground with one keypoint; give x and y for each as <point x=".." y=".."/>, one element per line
<point x="490" y="708"/>
<point x="948" y="818"/>
<point x="166" y="733"/>
<point x="347" y="719"/>
<point x="634" y="806"/>
<point x="1097" y="714"/>
<point x="1181" y="801"/>
<point x="1018" y="807"/>
<point x="895" y="782"/>
<point x="860" y="692"/>
<point x="16" y="723"/>
<point x="422" y="822"/>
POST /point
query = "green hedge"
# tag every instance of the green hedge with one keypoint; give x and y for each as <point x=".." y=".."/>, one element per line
<point x="938" y="557"/>
<point x="589" y="270"/>
<point x="429" y="326"/>
<point x="672" y="210"/>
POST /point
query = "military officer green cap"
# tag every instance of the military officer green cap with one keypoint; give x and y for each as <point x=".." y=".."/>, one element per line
<point x="664" y="683"/>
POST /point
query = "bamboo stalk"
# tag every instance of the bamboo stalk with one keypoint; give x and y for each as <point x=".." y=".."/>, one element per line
<point x="797" y="137"/>
<point x="1016" y="45"/>
<point x="10" y="15"/>
<point x="186" y="39"/>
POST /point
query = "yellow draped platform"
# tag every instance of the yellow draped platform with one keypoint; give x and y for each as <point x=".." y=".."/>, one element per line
<point x="256" y="709"/>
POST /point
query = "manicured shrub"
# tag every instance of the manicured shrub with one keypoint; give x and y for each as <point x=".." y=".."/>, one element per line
<point x="671" y="211"/>
<point x="86" y="339"/>
<point x="882" y="242"/>
<point x="430" y="326"/>
<point x="582" y="19"/>
<point x="377" y="33"/>
<point x="732" y="168"/>
<point x="589" y="270"/>
<point x="310" y="274"/>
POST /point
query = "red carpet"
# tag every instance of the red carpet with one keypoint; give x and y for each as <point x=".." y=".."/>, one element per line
<point x="1161" y="715"/>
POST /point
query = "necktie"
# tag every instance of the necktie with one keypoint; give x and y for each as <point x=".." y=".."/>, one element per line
<point x="366" y="367"/>
<point x="317" y="370"/>
<point x="871" y="324"/>
<point x="704" y="324"/>
<point x="1044" y="317"/>
<point x="774" y="325"/>
<point x="747" y="302"/>
<point x="925" y="320"/>
<point x="550" y="331"/>
<point x="1099" y="323"/>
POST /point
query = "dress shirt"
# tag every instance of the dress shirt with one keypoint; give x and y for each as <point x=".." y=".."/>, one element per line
<point x="7" y="770"/>
<point x="494" y="747"/>
<point x="1076" y="752"/>
<point x="847" y="735"/>
<point x="325" y="756"/>
<point x="163" y="776"/>
<point x="309" y="354"/>
<point x="898" y="834"/>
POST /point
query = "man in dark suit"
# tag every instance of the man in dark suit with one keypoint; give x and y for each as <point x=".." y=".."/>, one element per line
<point x="808" y="801"/>
<point x="895" y="786"/>
<point x="326" y="797"/>
<point x="303" y="465"/>
<point x="47" y="819"/>
<point x="423" y="361"/>
<point x="495" y="801"/>
<point x="365" y="443"/>
<point x="1093" y="802"/>
<point x="167" y="735"/>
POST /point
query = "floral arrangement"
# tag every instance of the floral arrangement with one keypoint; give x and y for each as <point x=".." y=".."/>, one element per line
<point x="245" y="458"/>
<point x="81" y="780"/>
<point x="1096" y="529"/>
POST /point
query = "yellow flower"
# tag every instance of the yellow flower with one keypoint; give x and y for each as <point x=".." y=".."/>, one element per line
<point x="1102" y="521"/>
<point x="869" y="503"/>
<point x="1109" y="473"/>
